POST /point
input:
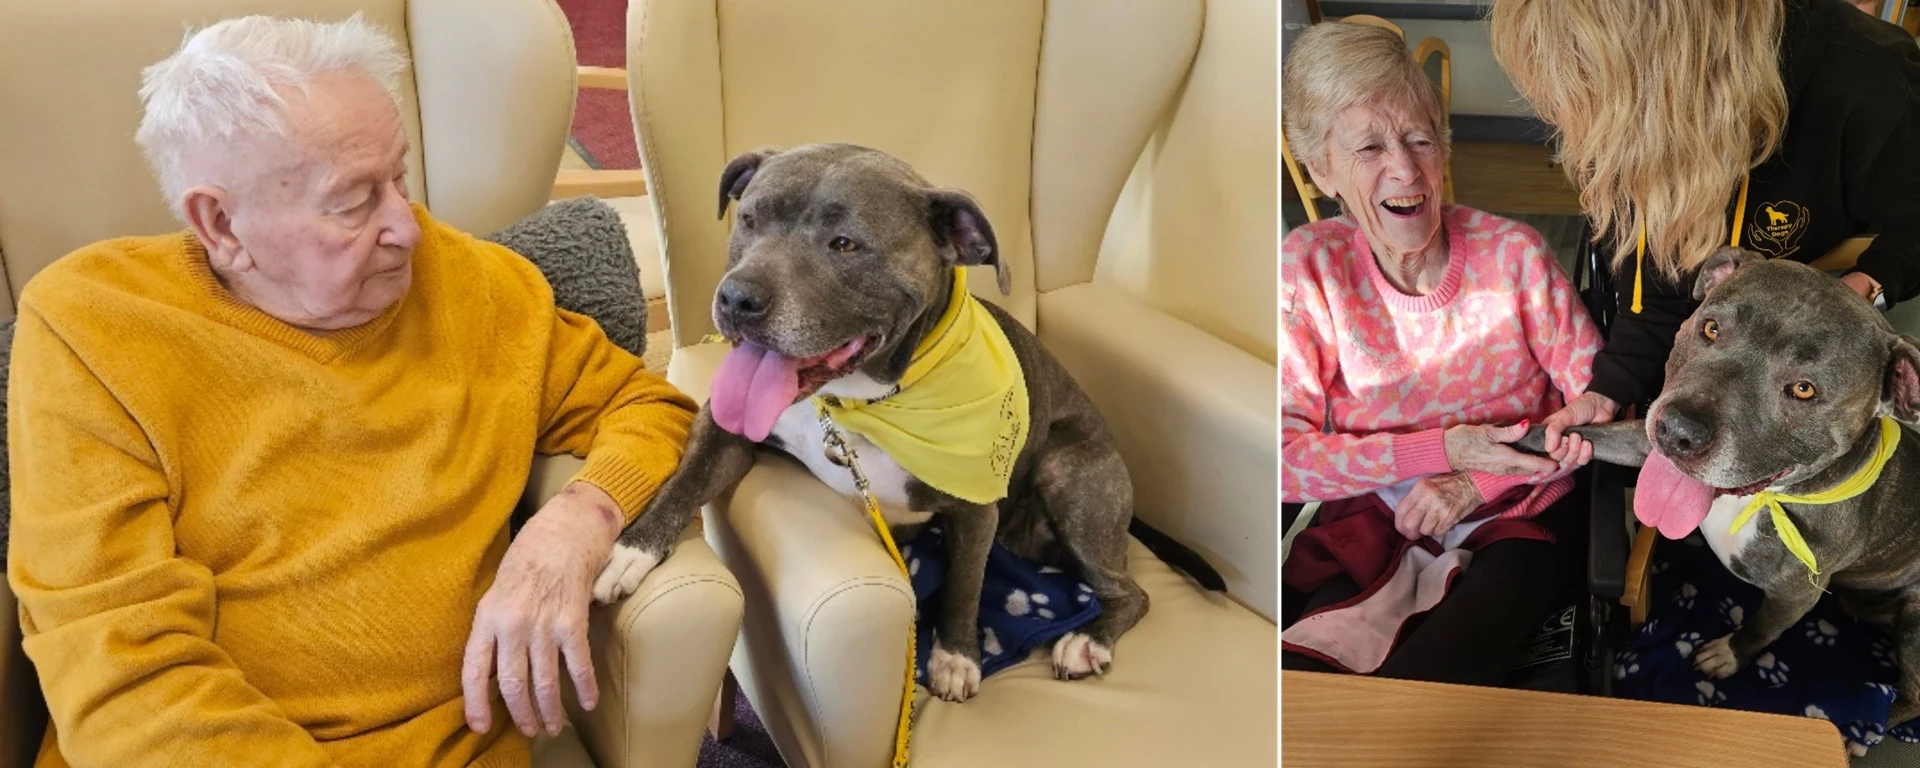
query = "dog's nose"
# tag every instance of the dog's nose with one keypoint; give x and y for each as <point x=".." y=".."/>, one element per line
<point x="1683" y="435"/>
<point x="744" y="299"/>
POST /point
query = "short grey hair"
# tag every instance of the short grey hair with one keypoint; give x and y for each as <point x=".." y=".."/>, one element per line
<point x="224" y="83"/>
<point x="1337" y="65"/>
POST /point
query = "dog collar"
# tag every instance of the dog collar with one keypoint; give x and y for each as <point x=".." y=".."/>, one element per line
<point x="1851" y="487"/>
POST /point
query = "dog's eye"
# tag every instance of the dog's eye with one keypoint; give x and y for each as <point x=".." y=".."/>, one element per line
<point x="746" y="220"/>
<point x="1710" y="329"/>
<point x="843" y="244"/>
<point x="1802" y="389"/>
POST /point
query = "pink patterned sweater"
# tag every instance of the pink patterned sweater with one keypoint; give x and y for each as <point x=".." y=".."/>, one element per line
<point x="1374" y="376"/>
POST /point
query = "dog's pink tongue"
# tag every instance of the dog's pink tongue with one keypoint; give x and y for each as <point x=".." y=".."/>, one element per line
<point x="753" y="386"/>
<point x="1668" y="499"/>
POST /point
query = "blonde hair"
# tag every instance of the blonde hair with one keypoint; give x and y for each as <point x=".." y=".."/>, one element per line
<point x="1338" y="65"/>
<point x="1660" y="108"/>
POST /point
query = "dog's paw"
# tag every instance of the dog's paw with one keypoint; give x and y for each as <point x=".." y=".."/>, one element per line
<point x="623" y="572"/>
<point x="951" y="676"/>
<point x="1716" y="659"/>
<point x="1076" y="655"/>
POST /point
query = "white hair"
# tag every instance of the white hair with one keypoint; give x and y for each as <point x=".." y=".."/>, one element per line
<point x="224" y="81"/>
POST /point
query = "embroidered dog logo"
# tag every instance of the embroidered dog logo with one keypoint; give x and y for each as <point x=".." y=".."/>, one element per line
<point x="1778" y="235"/>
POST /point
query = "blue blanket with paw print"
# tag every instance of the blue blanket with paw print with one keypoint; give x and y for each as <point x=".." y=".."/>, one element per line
<point x="1023" y="605"/>
<point x="1830" y="665"/>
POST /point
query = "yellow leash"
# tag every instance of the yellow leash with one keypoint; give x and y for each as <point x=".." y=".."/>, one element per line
<point x="1851" y="487"/>
<point x="1640" y="251"/>
<point x="840" y="452"/>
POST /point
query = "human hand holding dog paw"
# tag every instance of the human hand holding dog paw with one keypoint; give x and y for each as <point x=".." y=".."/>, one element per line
<point x="1484" y="448"/>
<point x="536" y="611"/>
<point x="1588" y="408"/>
<point x="1435" y="504"/>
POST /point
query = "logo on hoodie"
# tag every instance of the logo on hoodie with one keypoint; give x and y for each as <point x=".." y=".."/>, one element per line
<point x="1774" y="228"/>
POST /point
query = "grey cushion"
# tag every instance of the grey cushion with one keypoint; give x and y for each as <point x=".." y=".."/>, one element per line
<point x="579" y="244"/>
<point x="582" y="248"/>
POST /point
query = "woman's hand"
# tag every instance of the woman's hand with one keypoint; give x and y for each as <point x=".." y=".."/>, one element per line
<point x="1435" y="504"/>
<point x="1483" y="448"/>
<point x="1588" y="408"/>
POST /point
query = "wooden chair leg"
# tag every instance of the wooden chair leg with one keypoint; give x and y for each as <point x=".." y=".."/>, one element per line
<point x="720" y="724"/>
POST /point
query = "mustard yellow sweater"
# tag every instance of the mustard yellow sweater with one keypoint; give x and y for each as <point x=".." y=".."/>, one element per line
<point x="236" y="543"/>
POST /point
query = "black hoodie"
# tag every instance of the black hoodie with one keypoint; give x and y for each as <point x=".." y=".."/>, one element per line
<point x="1848" y="164"/>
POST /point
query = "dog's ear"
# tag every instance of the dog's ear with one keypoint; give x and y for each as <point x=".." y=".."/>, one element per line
<point x="1900" y="388"/>
<point x="958" y="222"/>
<point x="739" y="173"/>
<point x="1718" y="267"/>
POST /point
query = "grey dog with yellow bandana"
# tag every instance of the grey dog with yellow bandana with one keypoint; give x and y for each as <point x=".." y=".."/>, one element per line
<point x="1776" y="437"/>
<point x="845" y="299"/>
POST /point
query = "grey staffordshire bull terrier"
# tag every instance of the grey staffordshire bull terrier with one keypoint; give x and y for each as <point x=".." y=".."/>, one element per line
<point x="1777" y="383"/>
<point x="840" y="261"/>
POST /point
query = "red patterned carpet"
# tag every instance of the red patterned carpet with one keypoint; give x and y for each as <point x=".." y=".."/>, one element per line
<point x="602" y="126"/>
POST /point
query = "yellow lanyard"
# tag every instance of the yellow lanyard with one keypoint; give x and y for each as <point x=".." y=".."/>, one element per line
<point x="1640" y="251"/>
<point x="840" y="452"/>
<point x="1851" y="487"/>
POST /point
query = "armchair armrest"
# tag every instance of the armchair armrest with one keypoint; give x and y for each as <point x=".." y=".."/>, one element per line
<point x="1197" y="420"/>
<point x="659" y="655"/>
<point x="823" y="652"/>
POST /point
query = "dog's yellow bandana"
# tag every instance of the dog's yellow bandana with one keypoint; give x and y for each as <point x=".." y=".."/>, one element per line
<point x="958" y="417"/>
<point x="1851" y="487"/>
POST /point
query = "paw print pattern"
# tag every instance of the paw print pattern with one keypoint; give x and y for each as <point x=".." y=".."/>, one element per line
<point x="1684" y="598"/>
<point x="1049" y="569"/>
<point x="1686" y="643"/>
<point x="913" y="567"/>
<point x="1661" y="566"/>
<point x="989" y="642"/>
<point x="1861" y="732"/>
<point x="1886" y="691"/>
<point x="1882" y="651"/>
<point x="1813" y="710"/>
<point x="1017" y="604"/>
<point x="1627" y="663"/>
<point x="1734" y="613"/>
<point x="1709" y="695"/>
<point x="1823" y="633"/>
<point x="1086" y="593"/>
<point x="1040" y="600"/>
<point x="1771" y="670"/>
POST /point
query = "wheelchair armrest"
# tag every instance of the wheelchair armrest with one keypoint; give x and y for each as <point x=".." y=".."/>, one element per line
<point x="1607" y="543"/>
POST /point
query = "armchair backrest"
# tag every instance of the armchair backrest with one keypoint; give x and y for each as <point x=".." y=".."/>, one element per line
<point x="1194" y="234"/>
<point x="1037" y="109"/>
<point x="487" y="103"/>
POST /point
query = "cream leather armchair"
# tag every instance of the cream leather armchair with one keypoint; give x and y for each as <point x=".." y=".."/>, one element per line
<point x="1041" y="110"/>
<point x="487" y="107"/>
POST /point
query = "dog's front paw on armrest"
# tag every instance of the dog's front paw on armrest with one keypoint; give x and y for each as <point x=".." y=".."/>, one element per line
<point x="659" y="656"/>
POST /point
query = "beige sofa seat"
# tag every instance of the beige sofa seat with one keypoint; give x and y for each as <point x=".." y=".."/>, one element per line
<point x="1042" y="111"/>
<point x="487" y="105"/>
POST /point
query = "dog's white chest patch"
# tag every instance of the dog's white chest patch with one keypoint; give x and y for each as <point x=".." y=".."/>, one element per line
<point x="802" y="437"/>
<point x="1719" y="519"/>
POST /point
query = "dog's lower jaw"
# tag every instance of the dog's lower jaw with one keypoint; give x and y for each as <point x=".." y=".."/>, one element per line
<point x="951" y="676"/>
<point x="625" y="567"/>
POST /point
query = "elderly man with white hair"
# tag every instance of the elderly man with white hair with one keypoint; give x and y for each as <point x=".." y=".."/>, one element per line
<point x="262" y="468"/>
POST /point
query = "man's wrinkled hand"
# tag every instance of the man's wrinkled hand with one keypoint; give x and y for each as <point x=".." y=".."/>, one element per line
<point x="1435" y="504"/>
<point x="536" y="612"/>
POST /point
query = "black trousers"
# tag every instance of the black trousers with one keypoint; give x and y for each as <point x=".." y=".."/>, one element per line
<point x="1494" y="609"/>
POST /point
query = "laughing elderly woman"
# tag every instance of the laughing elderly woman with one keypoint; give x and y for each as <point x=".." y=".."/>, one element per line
<point x="1415" y="327"/>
